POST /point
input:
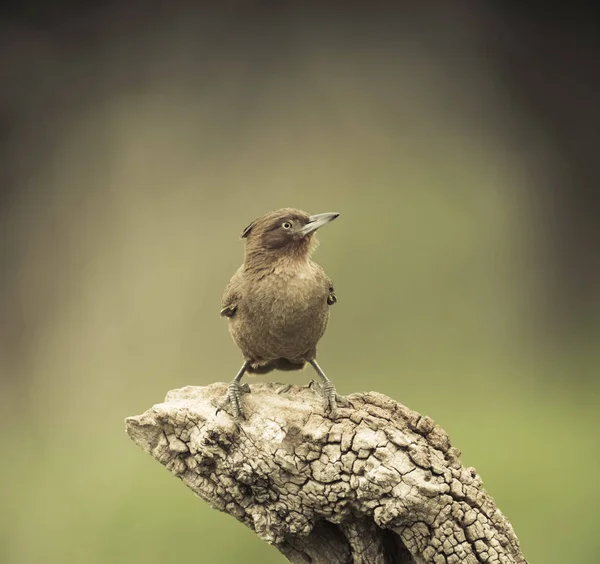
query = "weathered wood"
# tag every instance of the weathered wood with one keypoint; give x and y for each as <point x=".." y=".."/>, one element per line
<point x="379" y="485"/>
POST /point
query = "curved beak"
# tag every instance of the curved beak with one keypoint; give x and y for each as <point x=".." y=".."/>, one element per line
<point x="316" y="221"/>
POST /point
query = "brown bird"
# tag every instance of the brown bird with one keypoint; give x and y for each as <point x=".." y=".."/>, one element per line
<point x="278" y="300"/>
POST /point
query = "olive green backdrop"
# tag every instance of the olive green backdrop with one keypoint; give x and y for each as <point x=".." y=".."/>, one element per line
<point x="137" y="164"/>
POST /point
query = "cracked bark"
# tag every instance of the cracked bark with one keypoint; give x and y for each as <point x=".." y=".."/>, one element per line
<point x="379" y="485"/>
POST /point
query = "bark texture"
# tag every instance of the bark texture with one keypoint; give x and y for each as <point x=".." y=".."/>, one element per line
<point x="379" y="485"/>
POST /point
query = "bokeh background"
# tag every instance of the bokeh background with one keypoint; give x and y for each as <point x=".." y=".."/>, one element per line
<point x="459" y="142"/>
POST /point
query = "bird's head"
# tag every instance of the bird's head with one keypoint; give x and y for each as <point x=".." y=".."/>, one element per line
<point x="287" y="232"/>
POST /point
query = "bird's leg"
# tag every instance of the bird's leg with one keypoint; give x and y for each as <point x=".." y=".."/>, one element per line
<point x="329" y="393"/>
<point x="234" y="392"/>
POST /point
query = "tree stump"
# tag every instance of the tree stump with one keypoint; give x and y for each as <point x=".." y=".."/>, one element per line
<point x="380" y="484"/>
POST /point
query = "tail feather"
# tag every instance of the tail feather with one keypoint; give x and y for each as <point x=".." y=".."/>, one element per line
<point x="277" y="364"/>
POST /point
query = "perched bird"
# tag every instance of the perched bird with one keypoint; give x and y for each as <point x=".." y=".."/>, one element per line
<point x="278" y="301"/>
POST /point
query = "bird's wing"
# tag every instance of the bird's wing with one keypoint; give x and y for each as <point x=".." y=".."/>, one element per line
<point x="331" y="298"/>
<point x="232" y="296"/>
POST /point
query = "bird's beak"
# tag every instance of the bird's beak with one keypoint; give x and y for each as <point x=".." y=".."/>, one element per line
<point x="316" y="221"/>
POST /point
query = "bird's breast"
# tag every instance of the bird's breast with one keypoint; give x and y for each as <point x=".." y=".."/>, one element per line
<point x="294" y="289"/>
<point x="283" y="315"/>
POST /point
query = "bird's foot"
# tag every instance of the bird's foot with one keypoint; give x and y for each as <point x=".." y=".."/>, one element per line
<point x="330" y="396"/>
<point x="234" y="397"/>
<point x="330" y="399"/>
<point x="327" y="392"/>
<point x="283" y="388"/>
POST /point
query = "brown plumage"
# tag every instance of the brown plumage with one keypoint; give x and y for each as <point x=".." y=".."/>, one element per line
<point x="278" y="301"/>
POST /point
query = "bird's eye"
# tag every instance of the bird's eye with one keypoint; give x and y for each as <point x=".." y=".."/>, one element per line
<point x="286" y="225"/>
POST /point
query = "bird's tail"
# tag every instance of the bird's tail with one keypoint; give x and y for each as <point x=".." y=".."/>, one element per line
<point x="277" y="364"/>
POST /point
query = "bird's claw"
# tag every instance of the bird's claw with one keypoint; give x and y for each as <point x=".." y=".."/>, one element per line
<point x="283" y="389"/>
<point x="234" y="397"/>
<point x="328" y="393"/>
<point x="330" y="399"/>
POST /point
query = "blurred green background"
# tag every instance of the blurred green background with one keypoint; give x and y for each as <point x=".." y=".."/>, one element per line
<point x="144" y="143"/>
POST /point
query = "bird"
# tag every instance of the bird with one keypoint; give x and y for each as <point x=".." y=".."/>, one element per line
<point x="278" y="300"/>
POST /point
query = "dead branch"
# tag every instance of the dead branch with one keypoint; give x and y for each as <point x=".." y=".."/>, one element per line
<point x="379" y="485"/>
